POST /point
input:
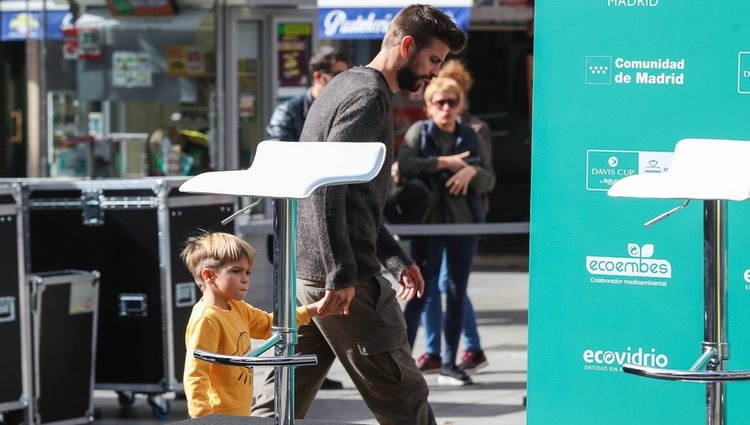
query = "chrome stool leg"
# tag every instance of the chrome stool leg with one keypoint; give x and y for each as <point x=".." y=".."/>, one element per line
<point x="285" y="298"/>
<point x="714" y="304"/>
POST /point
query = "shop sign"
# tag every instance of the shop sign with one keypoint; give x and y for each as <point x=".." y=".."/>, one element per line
<point x="89" y="43"/>
<point x="131" y="69"/>
<point x="184" y="61"/>
<point x="293" y="52"/>
<point x="70" y="45"/>
<point x="19" y="26"/>
<point x="503" y="11"/>
<point x="141" y="7"/>
<point x="372" y="22"/>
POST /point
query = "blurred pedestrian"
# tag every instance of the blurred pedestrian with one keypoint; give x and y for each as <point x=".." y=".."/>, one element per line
<point x="449" y="157"/>
<point x="473" y="357"/>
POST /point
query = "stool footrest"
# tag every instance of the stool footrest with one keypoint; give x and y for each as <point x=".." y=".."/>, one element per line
<point x="300" y="360"/>
<point x="687" y="375"/>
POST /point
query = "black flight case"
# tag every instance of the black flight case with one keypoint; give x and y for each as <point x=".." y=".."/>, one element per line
<point x="15" y="355"/>
<point x="63" y="320"/>
<point x="131" y="231"/>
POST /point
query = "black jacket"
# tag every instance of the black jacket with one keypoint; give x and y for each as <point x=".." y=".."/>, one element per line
<point x="288" y="118"/>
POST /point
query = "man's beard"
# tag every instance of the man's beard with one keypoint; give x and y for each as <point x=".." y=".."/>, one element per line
<point x="408" y="79"/>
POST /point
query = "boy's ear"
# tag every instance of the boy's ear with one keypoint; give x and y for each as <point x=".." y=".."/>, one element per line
<point x="206" y="274"/>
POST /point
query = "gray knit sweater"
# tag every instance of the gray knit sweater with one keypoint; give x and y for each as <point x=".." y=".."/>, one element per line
<point x="340" y="234"/>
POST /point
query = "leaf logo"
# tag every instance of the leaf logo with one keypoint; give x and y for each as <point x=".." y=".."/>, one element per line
<point x="645" y="251"/>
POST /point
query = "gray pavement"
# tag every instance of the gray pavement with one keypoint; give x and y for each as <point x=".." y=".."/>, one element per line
<point x="501" y="302"/>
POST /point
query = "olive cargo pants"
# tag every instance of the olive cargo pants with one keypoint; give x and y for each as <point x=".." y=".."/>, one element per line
<point x="371" y="345"/>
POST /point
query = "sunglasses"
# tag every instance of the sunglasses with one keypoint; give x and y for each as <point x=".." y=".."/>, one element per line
<point x="452" y="103"/>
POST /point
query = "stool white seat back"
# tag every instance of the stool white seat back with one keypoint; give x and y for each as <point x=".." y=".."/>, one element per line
<point x="294" y="169"/>
<point x="701" y="169"/>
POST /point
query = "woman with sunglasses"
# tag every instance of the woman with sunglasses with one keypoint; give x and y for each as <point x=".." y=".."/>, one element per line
<point x="450" y="159"/>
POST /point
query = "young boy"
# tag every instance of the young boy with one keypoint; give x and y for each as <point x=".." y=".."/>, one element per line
<point x="221" y="322"/>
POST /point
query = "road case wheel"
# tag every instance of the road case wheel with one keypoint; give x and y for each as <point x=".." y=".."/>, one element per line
<point x="161" y="408"/>
<point x="126" y="399"/>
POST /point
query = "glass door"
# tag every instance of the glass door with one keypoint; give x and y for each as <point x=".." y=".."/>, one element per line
<point x="266" y="54"/>
<point x="249" y="67"/>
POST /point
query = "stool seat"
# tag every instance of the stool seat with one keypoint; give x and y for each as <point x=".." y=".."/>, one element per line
<point x="294" y="169"/>
<point x="707" y="169"/>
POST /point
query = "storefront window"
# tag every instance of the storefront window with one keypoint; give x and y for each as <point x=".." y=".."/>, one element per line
<point x="131" y="96"/>
<point x="249" y="97"/>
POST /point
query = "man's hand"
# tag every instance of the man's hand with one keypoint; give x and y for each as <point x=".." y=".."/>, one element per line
<point x="411" y="283"/>
<point x="336" y="302"/>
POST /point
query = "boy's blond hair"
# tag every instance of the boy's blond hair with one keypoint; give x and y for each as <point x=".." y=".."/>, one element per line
<point x="442" y="84"/>
<point x="213" y="250"/>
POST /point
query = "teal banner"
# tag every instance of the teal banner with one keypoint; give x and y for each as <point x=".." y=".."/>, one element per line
<point x="617" y="83"/>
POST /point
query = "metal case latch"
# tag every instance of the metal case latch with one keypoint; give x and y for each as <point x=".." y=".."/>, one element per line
<point x="91" y="200"/>
<point x="133" y="305"/>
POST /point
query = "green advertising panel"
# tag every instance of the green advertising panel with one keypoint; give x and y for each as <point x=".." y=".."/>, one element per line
<point x="617" y="83"/>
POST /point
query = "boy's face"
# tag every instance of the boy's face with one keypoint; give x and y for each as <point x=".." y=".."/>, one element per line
<point x="232" y="280"/>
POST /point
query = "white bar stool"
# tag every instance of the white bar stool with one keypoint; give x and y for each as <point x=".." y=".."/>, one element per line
<point x="714" y="171"/>
<point x="287" y="171"/>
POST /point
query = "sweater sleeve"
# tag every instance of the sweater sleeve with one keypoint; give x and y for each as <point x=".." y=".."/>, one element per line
<point x="356" y="120"/>
<point x="261" y="322"/>
<point x="391" y="255"/>
<point x="204" y="335"/>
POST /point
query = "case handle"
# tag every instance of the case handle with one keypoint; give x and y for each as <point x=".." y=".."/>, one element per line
<point x="133" y="305"/>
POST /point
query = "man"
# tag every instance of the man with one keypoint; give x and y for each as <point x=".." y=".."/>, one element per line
<point x="342" y="243"/>
<point x="289" y="117"/>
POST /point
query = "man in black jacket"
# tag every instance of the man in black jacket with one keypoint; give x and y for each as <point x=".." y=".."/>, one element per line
<point x="289" y="117"/>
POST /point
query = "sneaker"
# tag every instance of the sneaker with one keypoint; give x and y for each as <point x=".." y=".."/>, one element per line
<point x="473" y="361"/>
<point x="452" y="375"/>
<point x="429" y="363"/>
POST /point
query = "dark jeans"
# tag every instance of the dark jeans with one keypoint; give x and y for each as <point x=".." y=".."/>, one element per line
<point x="427" y="252"/>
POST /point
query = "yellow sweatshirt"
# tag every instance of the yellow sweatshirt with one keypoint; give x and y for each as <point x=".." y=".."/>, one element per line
<point x="212" y="388"/>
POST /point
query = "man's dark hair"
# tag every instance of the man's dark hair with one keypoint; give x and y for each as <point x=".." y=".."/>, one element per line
<point x="425" y="23"/>
<point x="324" y="59"/>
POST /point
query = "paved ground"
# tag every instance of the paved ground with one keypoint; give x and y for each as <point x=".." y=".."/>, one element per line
<point x="501" y="302"/>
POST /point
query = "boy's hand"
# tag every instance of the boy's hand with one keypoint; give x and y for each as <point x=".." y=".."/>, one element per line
<point x="336" y="302"/>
